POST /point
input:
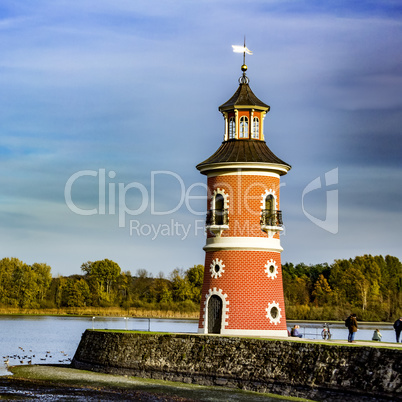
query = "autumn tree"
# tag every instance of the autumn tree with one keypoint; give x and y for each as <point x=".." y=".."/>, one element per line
<point x="162" y="289"/>
<point x="322" y="291"/>
<point x="86" y="267"/>
<point x="195" y="277"/>
<point x="76" y="292"/>
<point x="43" y="278"/>
<point x="106" y="273"/>
<point x="181" y="285"/>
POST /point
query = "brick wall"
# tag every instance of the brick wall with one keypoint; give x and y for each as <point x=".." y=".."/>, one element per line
<point x="247" y="288"/>
<point x="245" y="193"/>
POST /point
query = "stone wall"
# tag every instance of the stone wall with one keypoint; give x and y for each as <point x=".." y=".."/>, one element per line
<point x="317" y="371"/>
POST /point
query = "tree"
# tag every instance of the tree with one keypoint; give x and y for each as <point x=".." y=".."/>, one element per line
<point x="142" y="285"/>
<point x="25" y="286"/>
<point x="106" y="273"/>
<point x="76" y="292"/>
<point x="161" y="289"/>
<point x="181" y="285"/>
<point x="322" y="291"/>
<point x="124" y="284"/>
<point x="195" y="277"/>
<point x="43" y="279"/>
<point x="86" y="267"/>
<point x="7" y="268"/>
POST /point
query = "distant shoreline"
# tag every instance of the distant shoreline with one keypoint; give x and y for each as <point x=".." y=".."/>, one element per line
<point x="100" y="312"/>
<point x="138" y="313"/>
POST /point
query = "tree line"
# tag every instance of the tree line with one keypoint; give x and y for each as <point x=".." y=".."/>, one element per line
<point x="370" y="286"/>
<point x="101" y="284"/>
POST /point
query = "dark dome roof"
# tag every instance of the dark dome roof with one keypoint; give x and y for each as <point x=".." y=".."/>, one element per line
<point x="243" y="151"/>
<point x="244" y="96"/>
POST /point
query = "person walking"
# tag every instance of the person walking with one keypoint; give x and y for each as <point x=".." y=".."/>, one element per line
<point x="398" y="328"/>
<point x="352" y="326"/>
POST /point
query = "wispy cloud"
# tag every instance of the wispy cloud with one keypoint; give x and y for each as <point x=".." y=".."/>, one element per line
<point x="133" y="88"/>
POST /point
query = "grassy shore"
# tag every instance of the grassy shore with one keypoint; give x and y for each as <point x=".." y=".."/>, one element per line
<point x="69" y="382"/>
<point x="102" y="312"/>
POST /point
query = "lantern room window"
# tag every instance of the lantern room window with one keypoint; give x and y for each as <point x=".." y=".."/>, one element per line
<point x="256" y="128"/>
<point x="232" y="128"/>
<point x="243" y="129"/>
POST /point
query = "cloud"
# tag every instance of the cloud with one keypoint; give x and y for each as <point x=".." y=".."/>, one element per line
<point x="133" y="89"/>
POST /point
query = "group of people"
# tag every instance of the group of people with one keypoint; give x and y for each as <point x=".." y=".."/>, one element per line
<point x="351" y="324"/>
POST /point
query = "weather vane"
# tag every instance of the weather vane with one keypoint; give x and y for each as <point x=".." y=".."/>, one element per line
<point x="243" y="49"/>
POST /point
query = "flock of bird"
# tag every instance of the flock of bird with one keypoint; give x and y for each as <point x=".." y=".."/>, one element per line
<point x="30" y="358"/>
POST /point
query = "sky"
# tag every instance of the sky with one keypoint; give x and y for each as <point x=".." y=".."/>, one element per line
<point x="107" y="107"/>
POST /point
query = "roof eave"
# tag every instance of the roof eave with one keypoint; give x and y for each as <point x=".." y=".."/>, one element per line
<point x="256" y="107"/>
<point x="278" y="168"/>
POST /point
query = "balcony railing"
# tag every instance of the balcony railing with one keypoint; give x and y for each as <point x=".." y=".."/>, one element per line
<point x="217" y="217"/>
<point x="271" y="218"/>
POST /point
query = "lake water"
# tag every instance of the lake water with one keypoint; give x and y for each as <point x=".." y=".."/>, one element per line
<point x="48" y="339"/>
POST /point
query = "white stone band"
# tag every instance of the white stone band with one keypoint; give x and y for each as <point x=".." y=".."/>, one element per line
<point x="243" y="243"/>
<point x="240" y="172"/>
<point x="250" y="332"/>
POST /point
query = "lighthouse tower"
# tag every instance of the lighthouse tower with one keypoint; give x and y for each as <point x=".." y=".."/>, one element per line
<point x="242" y="292"/>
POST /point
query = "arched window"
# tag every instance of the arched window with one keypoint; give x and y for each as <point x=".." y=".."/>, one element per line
<point x="219" y="209"/>
<point x="256" y="128"/>
<point x="243" y="132"/>
<point x="269" y="203"/>
<point x="232" y="128"/>
<point x="270" y="210"/>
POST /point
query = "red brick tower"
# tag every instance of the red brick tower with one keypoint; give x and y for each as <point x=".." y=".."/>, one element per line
<point x="242" y="292"/>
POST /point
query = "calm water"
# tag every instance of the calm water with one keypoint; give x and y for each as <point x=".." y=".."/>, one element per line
<point x="47" y="339"/>
<point x="55" y="339"/>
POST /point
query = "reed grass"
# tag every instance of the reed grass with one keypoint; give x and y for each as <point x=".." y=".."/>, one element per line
<point x="101" y="312"/>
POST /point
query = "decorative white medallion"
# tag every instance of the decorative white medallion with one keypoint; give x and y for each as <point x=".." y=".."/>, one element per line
<point x="273" y="313"/>
<point x="271" y="269"/>
<point x="217" y="268"/>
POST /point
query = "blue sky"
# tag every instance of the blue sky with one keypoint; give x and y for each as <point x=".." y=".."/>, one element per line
<point x="131" y="89"/>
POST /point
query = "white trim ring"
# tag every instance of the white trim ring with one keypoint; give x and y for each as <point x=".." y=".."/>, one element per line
<point x="276" y="317"/>
<point x="271" y="269"/>
<point x="216" y="268"/>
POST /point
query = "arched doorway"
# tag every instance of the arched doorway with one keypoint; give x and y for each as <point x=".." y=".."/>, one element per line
<point x="214" y="314"/>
